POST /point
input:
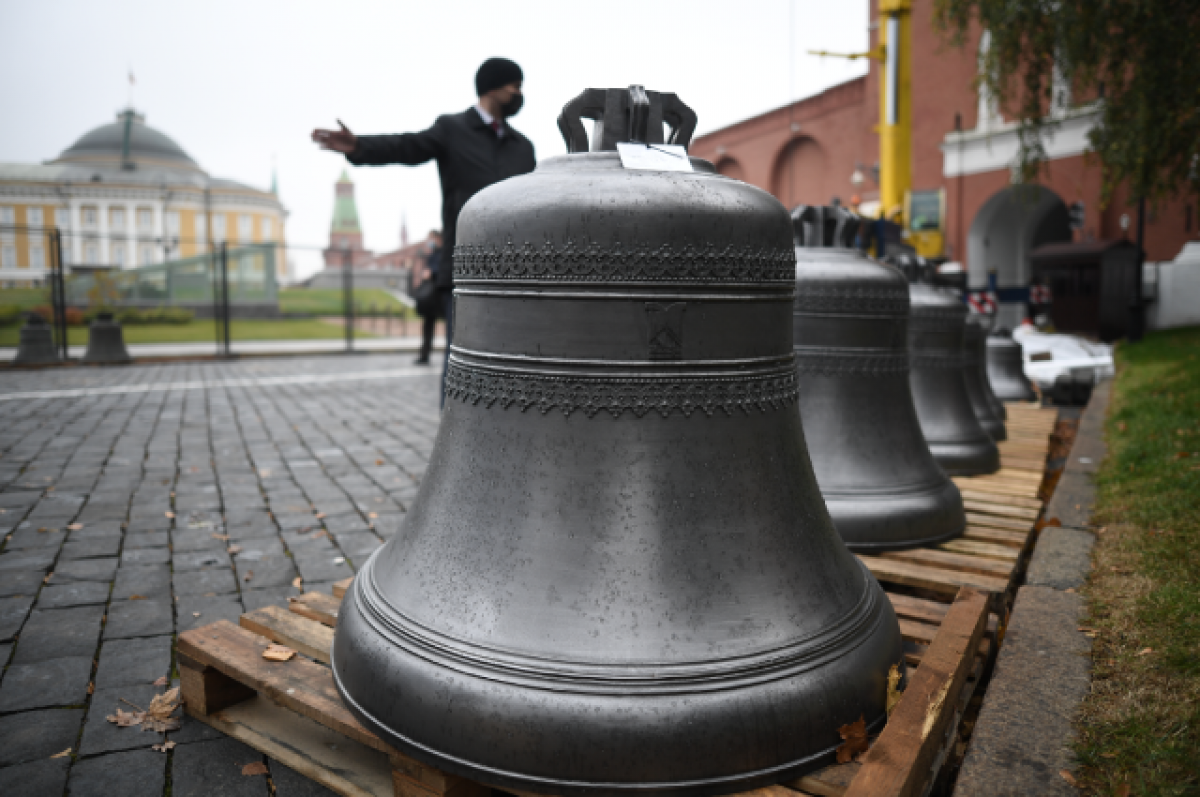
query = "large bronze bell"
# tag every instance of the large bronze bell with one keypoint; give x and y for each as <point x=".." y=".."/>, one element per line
<point x="936" y="328"/>
<point x="36" y="346"/>
<point x="974" y="354"/>
<point x="106" y="342"/>
<point x="619" y="575"/>
<point x="1006" y="368"/>
<point x="881" y="485"/>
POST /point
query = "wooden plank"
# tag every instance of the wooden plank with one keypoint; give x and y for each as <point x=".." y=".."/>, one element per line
<point x="317" y="606"/>
<point x="209" y="690"/>
<point x="997" y="487"/>
<point x="990" y="508"/>
<point x="930" y="578"/>
<point x="982" y="549"/>
<point x="414" y="779"/>
<point x="923" y="633"/>
<point x="1009" y="537"/>
<point x="898" y="763"/>
<point x="337" y="763"/>
<point x="985" y="496"/>
<point x="1019" y="475"/>
<point x="340" y="587"/>
<point x="996" y="522"/>
<point x="301" y="685"/>
<point x="953" y="561"/>
<point x="287" y="628"/>
<point x="918" y="608"/>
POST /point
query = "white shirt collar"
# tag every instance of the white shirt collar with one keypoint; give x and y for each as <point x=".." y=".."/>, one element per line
<point x="488" y="119"/>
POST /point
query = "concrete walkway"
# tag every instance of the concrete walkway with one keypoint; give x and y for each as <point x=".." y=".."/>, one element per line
<point x="1022" y="740"/>
<point x="141" y="501"/>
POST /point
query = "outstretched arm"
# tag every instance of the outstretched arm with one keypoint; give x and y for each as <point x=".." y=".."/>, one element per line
<point x="410" y="149"/>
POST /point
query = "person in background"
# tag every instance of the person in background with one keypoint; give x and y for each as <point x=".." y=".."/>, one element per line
<point x="428" y="302"/>
<point x="473" y="149"/>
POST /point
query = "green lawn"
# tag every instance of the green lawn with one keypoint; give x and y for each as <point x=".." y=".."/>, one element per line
<point x="24" y="297"/>
<point x="1139" y="731"/>
<point x="204" y="330"/>
<point x="328" y="301"/>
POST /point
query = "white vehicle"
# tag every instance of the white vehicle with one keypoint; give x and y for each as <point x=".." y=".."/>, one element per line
<point x="1048" y="357"/>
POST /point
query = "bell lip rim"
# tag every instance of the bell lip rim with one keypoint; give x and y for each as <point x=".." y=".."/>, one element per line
<point x="498" y="777"/>
<point x="848" y="632"/>
<point x="903" y="545"/>
<point x="914" y="489"/>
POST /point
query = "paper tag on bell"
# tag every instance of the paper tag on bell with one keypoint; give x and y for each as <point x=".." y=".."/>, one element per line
<point x="654" y="157"/>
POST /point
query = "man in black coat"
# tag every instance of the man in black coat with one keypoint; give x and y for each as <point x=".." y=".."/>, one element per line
<point x="473" y="150"/>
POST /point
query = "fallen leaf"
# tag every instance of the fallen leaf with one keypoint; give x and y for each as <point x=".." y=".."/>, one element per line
<point x="234" y="549"/>
<point x="158" y="716"/>
<point x="257" y="768"/>
<point x="162" y="681"/>
<point x="278" y="653"/>
<point x="320" y="515"/>
<point x="1123" y="789"/>
<point x="855" y="736"/>
<point x="297" y="582"/>
<point x="249" y="575"/>
<point x="1121" y="425"/>
<point x="164" y="747"/>
<point x="137" y="597"/>
<point x="1067" y="776"/>
<point x="46" y="580"/>
<point x="126" y="719"/>
<point x="1182" y="455"/>
<point x="221" y="537"/>
<point x="893" y="688"/>
<point x="63" y="754"/>
<point x="1144" y="651"/>
<point x="169" y="514"/>
<point x="1108" y="755"/>
<point x="379" y="462"/>
<point x="75" y="526"/>
<point x="91" y="687"/>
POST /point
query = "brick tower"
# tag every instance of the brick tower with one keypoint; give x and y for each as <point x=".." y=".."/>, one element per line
<point x="345" y="233"/>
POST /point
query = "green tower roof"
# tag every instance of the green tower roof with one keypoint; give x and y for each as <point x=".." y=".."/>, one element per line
<point x="345" y="209"/>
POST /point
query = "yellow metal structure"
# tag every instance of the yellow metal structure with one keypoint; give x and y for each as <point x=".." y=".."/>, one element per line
<point x="895" y="105"/>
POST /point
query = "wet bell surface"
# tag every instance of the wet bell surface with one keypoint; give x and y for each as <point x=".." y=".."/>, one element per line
<point x="1006" y="368"/>
<point x="106" y="342"/>
<point x="619" y="575"/>
<point x="988" y="410"/>
<point x="880" y="482"/>
<point x="937" y="326"/>
<point x="36" y="345"/>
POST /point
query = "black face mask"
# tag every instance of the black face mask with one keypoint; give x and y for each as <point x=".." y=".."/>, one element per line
<point x="513" y="106"/>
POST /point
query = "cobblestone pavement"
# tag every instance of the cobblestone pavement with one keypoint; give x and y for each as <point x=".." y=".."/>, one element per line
<point x="122" y="493"/>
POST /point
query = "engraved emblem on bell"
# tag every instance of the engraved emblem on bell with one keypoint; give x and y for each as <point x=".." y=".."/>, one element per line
<point x="880" y="482"/>
<point x="666" y="330"/>
<point x="619" y="575"/>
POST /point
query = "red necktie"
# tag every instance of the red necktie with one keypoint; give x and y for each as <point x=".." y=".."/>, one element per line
<point x="496" y="127"/>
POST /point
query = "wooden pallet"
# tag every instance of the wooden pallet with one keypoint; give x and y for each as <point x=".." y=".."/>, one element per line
<point x="292" y="712"/>
<point x="951" y="601"/>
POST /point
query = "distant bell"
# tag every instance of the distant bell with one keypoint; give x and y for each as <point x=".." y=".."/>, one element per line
<point x="36" y="345"/>
<point x="1006" y="368"/>
<point x="619" y="576"/>
<point x="936" y="329"/>
<point x="106" y="343"/>
<point x="880" y="483"/>
<point x="988" y="411"/>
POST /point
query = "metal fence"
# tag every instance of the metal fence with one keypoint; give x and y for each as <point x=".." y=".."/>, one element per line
<point x="229" y="282"/>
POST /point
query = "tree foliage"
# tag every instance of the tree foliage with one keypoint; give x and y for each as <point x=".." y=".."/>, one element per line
<point x="1142" y="57"/>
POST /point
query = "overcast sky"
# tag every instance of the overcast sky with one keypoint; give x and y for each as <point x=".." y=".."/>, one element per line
<point x="240" y="85"/>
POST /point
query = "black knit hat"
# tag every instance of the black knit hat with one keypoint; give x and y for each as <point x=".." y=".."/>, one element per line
<point x="494" y="73"/>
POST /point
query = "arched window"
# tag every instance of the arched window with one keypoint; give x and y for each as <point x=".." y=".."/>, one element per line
<point x="799" y="174"/>
<point x="731" y="168"/>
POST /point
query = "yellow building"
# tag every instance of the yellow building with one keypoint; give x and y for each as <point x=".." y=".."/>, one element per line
<point x="126" y="195"/>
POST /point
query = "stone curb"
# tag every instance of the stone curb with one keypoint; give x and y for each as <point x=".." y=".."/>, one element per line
<point x="1022" y="739"/>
